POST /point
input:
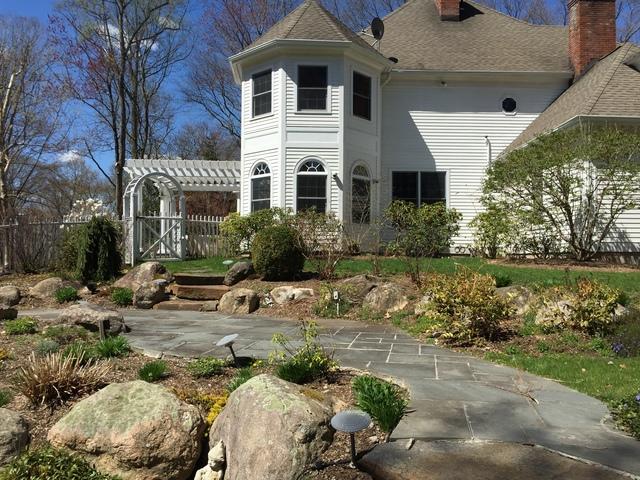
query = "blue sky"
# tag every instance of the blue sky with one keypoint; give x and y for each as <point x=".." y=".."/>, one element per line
<point x="28" y="8"/>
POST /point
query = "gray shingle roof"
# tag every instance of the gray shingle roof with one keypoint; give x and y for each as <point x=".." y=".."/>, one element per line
<point x="483" y="40"/>
<point x="610" y="88"/>
<point x="311" y="21"/>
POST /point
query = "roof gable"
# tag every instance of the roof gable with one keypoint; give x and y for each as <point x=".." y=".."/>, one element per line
<point x="610" y="89"/>
<point x="483" y="40"/>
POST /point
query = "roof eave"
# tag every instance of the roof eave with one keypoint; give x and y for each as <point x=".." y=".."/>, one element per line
<point x="238" y="60"/>
<point x="411" y="74"/>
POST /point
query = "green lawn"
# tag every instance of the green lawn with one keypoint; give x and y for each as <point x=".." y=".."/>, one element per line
<point x="627" y="281"/>
<point x="594" y="376"/>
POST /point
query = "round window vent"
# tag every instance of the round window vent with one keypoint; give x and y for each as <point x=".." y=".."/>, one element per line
<point x="509" y="105"/>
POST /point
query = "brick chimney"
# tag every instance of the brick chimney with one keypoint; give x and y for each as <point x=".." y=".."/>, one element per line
<point x="592" y="32"/>
<point x="449" y="9"/>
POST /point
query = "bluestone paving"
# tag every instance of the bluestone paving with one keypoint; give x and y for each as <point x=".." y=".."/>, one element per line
<point x="453" y="396"/>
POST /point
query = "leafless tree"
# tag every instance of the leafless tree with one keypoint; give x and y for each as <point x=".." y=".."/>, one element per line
<point x="117" y="55"/>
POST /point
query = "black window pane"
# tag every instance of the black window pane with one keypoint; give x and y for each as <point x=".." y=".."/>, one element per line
<point x="312" y="99"/>
<point x="433" y="187"/>
<point x="361" y="199"/>
<point x="262" y="82"/>
<point x="362" y="107"/>
<point x="319" y="204"/>
<point x="310" y="186"/>
<point x="362" y="84"/>
<point x="405" y="186"/>
<point x="312" y="77"/>
<point x="262" y="104"/>
<point x="261" y="188"/>
<point x="260" y="205"/>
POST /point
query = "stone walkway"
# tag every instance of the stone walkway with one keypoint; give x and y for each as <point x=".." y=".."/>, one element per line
<point x="453" y="396"/>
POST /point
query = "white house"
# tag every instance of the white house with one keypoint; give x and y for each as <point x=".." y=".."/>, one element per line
<point x="345" y="123"/>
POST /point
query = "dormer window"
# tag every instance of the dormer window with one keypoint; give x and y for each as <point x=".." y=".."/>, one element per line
<point x="312" y="88"/>
<point x="261" y="93"/>
<point x="361" y="96"/>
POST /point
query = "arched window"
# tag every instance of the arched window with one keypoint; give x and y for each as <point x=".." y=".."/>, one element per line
<point x="360" y="195"/>
<point x="312" y="186"/>
<point x="260" y="187"/>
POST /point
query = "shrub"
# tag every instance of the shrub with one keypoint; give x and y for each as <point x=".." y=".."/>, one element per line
<point x="277" y="254"/>
<point x="97" y="251"/>
<point x="219" y="402"/>
<point x="56" y="378"/>
<point x="21" y="326"/>
<point x="325" y="306"/>
<point x="112" y="347"/>
<point x="502" y="280"/>
<point x="626" y="414"/>
<point x="465" y="306"/>
<point x="242" y="376"/>
<point x="65" y="334"/>
<point x="206" y="367"/>
<point x="80" y="352"/>
<point x="305" y="364"/>
<point x="239" y="231"/>
<point x="384" y="401"/>
<point x="66" y="294"/>
<point x="421" y="232"/>
<point x="122" y="297"/>
<point x="153" y="371"/>
<point x="625" y="339"/>
<point x="493" y="230"/>
<point x="47" y="463"/>
<point x="47" y="346"/>
<point x="5" y="397"/>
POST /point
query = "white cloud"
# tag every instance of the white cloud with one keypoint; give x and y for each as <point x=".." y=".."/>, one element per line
<point x="70" y="156"/>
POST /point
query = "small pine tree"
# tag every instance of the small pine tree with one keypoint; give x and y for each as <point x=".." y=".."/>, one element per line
<point x="99" y="256"/>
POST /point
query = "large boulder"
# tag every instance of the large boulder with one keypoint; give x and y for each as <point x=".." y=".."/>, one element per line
<point x="47" y="288"/>
<point x="150" y="293"/>
<point x="239" y="300"/>
<point x="9" y="296"/>
<point x="360" y="285"/>
<point x="272" y="430"/>
<point x="287" y="294"/>
<point x="143" y="273"/>
<point x="238" y="272"/>
<point x="387" y="298"/>
<point x="136" y="430"/>
<point x="89" y="316"/>
<point x="521" y="298"/>
<point x="14" y="435"/>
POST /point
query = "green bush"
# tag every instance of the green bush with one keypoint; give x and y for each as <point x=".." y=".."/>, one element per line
<point x="277" y="254"/>
<point x="493" y="230"/>
<point x="112" y="347"/>
<point x="66" y="295"/>
<point x="97" y="251"/>
<point x="5" y="397"/>
<point x="239" y="231"/>
<point x="626" y="414"/>
<point x="625" y="340"/>
<point x="153" y="371"/>
<point x="243" y="376"/>
<point x="206" y="367"/>
<point x="502" y="280"/>
<point x="421" y="232"/>
<point x="65" y="334"/>
<point x="306" y="363"/>
<point x="465" y="306"/>
<point x="46" y="346"/>
<point x="80" y="352"/>
<point x="384" y="401"/>
<point x="122" y="297"/>
<point x="21" y="326"/>
<point x="47" y="463"/>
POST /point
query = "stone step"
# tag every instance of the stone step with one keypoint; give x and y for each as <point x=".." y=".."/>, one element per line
<point x="198" y="279"/>
<point x="199" y="292"/>
<point x="179" y="305"/>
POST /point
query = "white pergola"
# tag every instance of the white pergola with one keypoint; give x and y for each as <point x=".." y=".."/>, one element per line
<point x="163" y="235"/>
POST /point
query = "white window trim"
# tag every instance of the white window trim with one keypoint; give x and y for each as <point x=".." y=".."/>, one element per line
<point x="447" y="181"/>
<point x="271" y="113"/>
<point x="263" y="175"/>
<point x="326" y="111"/>
<point x="297" y="172"/>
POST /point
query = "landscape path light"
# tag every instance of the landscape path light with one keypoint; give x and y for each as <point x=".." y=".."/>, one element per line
<point x="227" y="341"/>
<point x="351" y="422"/>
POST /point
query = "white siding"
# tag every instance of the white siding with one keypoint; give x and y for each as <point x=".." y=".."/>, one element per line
<point x="430" y="127"/>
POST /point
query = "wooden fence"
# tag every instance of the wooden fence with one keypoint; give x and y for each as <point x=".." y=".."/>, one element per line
<point x="35" y="246"/>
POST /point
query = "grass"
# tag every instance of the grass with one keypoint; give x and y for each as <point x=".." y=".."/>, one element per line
<point x="153" y="371"/>
<point x="627" y="281"/>
<point x="382" y="400"/>
<point x="242" y="376"/>
<point x="592" y="375"/>
<point x="21" y="326"/>
<point x="112" y="347"/>
<point x="5" y="397"/>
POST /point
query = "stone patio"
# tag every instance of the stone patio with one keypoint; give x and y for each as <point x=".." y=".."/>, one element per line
<point x="453" y="396"/>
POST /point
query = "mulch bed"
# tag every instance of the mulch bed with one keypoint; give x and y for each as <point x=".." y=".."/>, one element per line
<point x="42" y="418"/>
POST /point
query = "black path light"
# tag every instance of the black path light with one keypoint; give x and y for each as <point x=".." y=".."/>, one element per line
<point x="227" y="341"/>
<point x="351" y="422"/>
